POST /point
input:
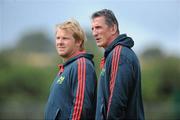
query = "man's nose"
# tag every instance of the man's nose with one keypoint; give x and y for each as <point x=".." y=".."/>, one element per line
<point x="94" y="32"/>
<point x="59" y="41"/>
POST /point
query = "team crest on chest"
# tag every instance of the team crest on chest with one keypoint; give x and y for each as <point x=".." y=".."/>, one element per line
<point x="60" y="80"/>
<point x="102" y="72"/>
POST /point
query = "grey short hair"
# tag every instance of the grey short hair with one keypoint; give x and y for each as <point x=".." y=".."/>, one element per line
<point x="110" y="18"/>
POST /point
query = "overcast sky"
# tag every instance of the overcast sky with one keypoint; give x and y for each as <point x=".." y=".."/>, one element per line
<point x="148" y="22"/>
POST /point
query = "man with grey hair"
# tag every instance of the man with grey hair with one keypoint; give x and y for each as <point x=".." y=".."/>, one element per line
<point x="119" y="85"/>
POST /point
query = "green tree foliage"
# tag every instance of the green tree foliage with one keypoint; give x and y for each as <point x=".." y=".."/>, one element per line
<point x="36" y="41"/>
<point x="26" y="72"/>
<point x="152" y="53"/>
<point x="161" y="84"/>
<point x="169" y="76"/>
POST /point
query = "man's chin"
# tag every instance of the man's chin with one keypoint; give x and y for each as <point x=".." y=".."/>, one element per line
<point x="61" y="54"/>
<point x="99" y="45"/>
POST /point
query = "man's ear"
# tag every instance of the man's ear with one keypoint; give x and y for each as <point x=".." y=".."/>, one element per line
<point x="78" y="43"/>
<point x="113" y="29"/>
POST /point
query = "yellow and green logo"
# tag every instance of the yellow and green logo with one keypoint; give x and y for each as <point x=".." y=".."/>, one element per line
<point x="60" y="80"/>
<point x="102" y="72"/>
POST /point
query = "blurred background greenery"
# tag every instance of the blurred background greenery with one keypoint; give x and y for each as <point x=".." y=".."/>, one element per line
<point x="28" y="69"/>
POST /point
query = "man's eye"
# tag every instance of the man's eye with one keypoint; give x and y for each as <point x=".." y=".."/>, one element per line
<point x="65" y="38"/>
<point x="98" y="27"/>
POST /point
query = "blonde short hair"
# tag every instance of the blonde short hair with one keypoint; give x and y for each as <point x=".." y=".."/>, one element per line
<point x="74" y="26"/>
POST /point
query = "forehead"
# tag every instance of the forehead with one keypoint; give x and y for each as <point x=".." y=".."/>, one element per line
<point x="98" y="20"/>
<point x="64" y="31"/>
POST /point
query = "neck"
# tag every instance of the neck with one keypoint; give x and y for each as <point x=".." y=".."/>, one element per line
<point x="111" y="39"/>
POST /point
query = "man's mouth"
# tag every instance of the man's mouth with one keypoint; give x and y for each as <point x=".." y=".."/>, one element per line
<point x="98" y="39"/>
<point x="61" y="48"/>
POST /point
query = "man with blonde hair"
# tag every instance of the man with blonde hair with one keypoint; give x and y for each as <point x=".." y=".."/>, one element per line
<point x="73" y="92"/>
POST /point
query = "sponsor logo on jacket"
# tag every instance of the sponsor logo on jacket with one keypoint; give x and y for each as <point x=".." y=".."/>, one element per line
<point x="60" y="80"/>
<point x="102" y="72"/>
